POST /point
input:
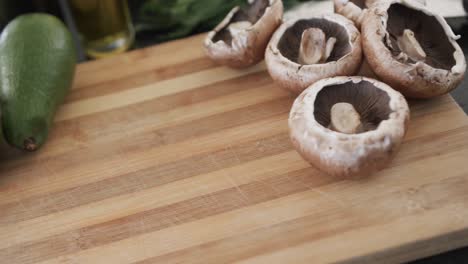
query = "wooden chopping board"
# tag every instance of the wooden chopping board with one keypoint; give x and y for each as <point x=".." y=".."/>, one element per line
<point x="160" y="156"/>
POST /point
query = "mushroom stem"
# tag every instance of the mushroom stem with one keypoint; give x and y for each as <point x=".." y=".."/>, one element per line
<point x="315" y="48"/>
<point x="236" y="27"/>
<point x="329" y="48"/>
<point x="410" y="45"/>
<point x="345" y="119"/>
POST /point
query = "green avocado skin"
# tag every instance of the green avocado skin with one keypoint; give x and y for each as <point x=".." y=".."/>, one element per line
<point x="37" y="65"/>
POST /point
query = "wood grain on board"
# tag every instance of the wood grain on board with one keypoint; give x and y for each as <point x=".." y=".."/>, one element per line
<point x="161" y="156"/>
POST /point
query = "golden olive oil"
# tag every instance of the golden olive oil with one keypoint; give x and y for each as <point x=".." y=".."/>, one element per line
<point x="104" y="25"/>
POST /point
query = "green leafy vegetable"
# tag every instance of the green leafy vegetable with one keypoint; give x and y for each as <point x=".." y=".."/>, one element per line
<point x="161" y="20"/>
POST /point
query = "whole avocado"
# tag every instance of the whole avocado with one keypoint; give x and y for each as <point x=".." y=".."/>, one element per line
<point x="37" y="65"/>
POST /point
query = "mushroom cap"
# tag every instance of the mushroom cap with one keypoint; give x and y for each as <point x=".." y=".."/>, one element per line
<point x="281" y="56"/>
<point x="355" y="10"/>
<point x="366" y="70"/>
<point x="442" y="70"/>
<point x="384" y="115"/>
<point x="247" y="46"/>
<point x="352" y="9"/>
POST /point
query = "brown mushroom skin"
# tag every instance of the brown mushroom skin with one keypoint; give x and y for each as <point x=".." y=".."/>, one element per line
<point x="416" y="80"/>
<point x="248" y="47"/>
<point x="366" y="70"/>
<point x="347" y="155"/>
<point x="354" y="10"/>
<point x="295" y="77"/>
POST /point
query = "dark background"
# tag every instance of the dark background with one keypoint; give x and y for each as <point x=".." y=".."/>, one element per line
<point x="460" y="27"/>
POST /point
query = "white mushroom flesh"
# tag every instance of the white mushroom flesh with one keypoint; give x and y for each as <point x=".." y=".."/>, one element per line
<point x="353" y="12"/>
<point x="410" y="46"/>
<point x="329" y="48"/>
<point x="345" y="119"/>
<point x="315" y="48"/>
<point x="236" y="27"/>
<point x="313" y="43"/>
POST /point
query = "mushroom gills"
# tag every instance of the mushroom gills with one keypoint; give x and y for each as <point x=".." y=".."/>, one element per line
<point x="290" y="42"/>
<point x="345" y="119"/>
<point x="242" y="19"/>
<point x="413" y="36"/>
<point x="359" y="3"/>
<point x="352" y="108"/>
<point x="315" y="48"/>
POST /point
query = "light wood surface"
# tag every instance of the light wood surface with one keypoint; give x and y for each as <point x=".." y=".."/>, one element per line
<point x="161" y="156"/>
